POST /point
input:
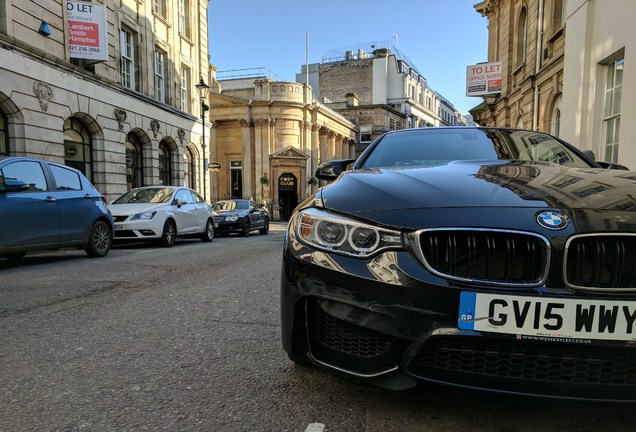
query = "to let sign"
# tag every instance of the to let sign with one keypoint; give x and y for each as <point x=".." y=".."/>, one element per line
<point x="87" y="30"/>
<point x="483" y="79"/>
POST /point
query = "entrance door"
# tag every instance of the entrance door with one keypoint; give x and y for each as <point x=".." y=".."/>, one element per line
<point x="287" y="195"/>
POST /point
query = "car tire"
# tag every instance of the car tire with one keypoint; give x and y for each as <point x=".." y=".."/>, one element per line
<point x="169" y="235"/>
<point x="245" y="232"/>
<point x="208" y="234"/>
<point x="265" y="229"/>
<point x="99" y="241"/>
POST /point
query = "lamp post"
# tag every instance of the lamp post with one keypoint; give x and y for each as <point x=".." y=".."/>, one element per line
<point x="202" y="90"/>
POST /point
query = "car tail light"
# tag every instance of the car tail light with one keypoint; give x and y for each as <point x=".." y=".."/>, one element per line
<point x="104" y="200"/>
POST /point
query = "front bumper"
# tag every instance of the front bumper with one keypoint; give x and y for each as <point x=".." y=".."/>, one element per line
<point x="389" y="321"/>
<point x="138" y="230"/>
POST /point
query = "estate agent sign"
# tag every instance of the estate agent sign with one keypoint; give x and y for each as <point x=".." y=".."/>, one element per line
<point x="87" y="30"/>
<point x="483" y="79"/>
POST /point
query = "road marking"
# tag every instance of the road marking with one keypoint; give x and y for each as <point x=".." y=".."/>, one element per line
<point x="315" y="427"/>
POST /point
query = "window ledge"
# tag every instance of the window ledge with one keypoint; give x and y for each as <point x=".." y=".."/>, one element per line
<point x="559" y="32"/>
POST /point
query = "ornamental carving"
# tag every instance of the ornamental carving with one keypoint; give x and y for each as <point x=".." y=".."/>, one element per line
<point x="246" y="123"/>
<point x="154" y="126"/>
<point x="120" y="115"/>
<point x="181" y="134"/>
<point x="44" y="93"/>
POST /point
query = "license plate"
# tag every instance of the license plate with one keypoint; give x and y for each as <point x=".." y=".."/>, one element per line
<point x="119" y="227"/>
<point x="548" y="317"/>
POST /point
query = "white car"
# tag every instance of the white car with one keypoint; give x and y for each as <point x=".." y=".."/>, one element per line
<point x="162" y="213"/>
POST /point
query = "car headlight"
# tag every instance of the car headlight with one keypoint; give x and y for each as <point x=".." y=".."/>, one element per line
<point x="144" y="216"/>
<point x="339" y="234"/>
<point x="231" y="218"/>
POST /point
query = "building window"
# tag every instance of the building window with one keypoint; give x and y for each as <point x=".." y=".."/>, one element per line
<point x="365" y="133"/>
<point x="521" y="34"/>
<point x="160" y="80"/>
<point x="184" y="17"/>
<point x="555" y="126"/>
<point x="558" y="14"/>
<point x="185" y="89"/>
<point x="4" y="135"/>
<point x="190" y="174"/>
<point x="128" y="56"/>
<point x="165" y="169"/>
<point x="159" y="7"/>
<point x="77" y="146"/>
<point x="134" y="162"/>
<point x="612" y="113"/>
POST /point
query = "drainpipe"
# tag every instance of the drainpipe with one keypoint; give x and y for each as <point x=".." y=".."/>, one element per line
<point x="537" y="68"/>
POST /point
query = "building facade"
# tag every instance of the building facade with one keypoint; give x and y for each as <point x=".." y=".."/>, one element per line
<point x="131" y="119"/>
<point x="268" y="137"/>
<point x="378" y="79"/>
<point x="600" y="74"/>
<point x="527" y="37"/>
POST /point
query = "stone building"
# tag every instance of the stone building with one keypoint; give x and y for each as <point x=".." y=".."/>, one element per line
<point x="565" y="71"/>
<point x="269" y="137"/>
<point x="599" y="76"/>
<point x="527" y="37"/>
<point x="126" y="117"/>
<point x="377" y="90"/>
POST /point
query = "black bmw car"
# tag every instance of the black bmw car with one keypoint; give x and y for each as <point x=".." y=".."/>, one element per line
<point x="487" y="258"/>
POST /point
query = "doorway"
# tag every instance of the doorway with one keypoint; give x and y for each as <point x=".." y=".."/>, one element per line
<point x="287" y="195"/>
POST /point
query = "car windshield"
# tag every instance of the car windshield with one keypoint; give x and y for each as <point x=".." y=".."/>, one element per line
<point x="433" y="146"/>
<point x="149" y="195"/>
<point x="231" y="205"/>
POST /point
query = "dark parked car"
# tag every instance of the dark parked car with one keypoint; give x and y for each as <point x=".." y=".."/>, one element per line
<point x="44" y="205"/>
<point x="240" y="216"/>
<point x="477" y="257"/>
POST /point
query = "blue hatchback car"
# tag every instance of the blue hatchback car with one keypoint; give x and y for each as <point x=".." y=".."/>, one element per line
<point x="44" y="205"/>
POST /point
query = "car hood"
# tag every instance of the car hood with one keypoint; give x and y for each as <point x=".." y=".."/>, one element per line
<point x="133" y="208"/>
<point x="470" y="184"/>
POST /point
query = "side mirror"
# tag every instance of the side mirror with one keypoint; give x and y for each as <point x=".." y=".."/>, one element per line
<point x="13" y="185"/>
<point x="181" y="202"/>
<point x="330" y="171"/>
<point x="589" y="154"/>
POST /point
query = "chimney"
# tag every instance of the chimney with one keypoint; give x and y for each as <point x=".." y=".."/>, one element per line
<point x="352" y="99"/>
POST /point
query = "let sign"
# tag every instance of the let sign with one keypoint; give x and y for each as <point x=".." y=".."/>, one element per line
<point x="87" y="30"/>
<point x="483" y="79"/>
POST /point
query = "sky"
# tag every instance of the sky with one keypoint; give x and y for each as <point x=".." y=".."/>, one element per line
<point x="439" y="37"/>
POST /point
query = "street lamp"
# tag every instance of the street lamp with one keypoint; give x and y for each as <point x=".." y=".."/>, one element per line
<point x="202" y="90"/>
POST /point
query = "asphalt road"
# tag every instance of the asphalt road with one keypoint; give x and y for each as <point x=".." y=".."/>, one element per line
<point x="188" y="339"/>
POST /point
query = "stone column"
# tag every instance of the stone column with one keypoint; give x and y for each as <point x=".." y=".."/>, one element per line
<point x="324" y="145"/>
<point x="314" y="152"/>
<point x="331" y="145"/>
<point x="340" y="146"/>
<point x="247" y="157"/>
<point x="352" y="149"/>
<point x="214" y="156"/>
<point x="260" y="128"/>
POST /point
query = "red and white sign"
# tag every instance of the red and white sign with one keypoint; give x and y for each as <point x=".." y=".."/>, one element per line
<point x="483" y="79"/>
<point x="87" y="30"/>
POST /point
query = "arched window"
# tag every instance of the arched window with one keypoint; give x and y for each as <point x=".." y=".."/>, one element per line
<point x="134" y="162"/>
<point x="555" y="126"/>
<point x="165" y="168"/>
<point x="190" y="168"/>
<point x="77" y="146"/>
<point x="521" y="34"/>
<point x="4" y="135"/>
